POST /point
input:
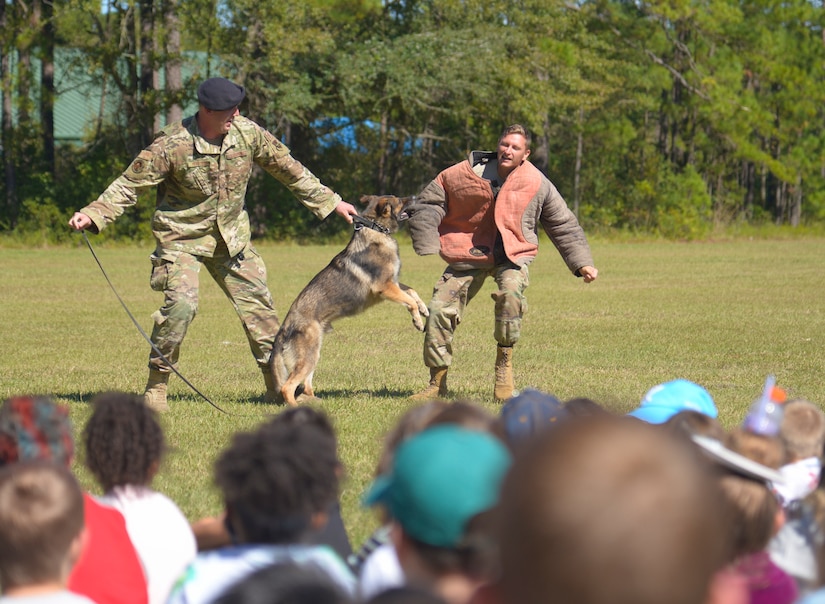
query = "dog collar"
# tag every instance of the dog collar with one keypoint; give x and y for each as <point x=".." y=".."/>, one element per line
<point x="359" y="222"/>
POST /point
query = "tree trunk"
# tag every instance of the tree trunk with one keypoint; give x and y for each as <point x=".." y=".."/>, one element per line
<point x="748" y="173"/>
<point x="129" y="86"/>
<point x="541" y="149"/>
<point x="174" y="81"/>
<point x="795" y="213"/>
<point x="101" y="108"/>
<point x="763" y="193"/>
<point x="780" y="197"/>
<point x="47" y="86"/>
<point x="381" y="172"/>
<point x="24" y="69"/>
<point x="578" y="169"/>
<point x="146" y="94"/>
<point x="663" y="125"/>
<point x="6" y="113"/>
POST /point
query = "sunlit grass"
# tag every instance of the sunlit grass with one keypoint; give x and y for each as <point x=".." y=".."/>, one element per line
<point x="724" y="314"/>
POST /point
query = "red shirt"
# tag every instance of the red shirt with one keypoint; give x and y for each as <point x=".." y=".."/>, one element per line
<point x="109" y="570"/>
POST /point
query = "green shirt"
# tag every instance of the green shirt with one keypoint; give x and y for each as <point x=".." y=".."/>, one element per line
<point x="201" y="186"/>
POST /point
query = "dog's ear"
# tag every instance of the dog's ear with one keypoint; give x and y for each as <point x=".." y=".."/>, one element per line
<point x="366" y="199"/>
<point x="385" y="207"/>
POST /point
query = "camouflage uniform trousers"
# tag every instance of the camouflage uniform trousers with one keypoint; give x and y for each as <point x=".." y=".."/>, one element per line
<point x="453" y="292"/>
<point x="242" y="278"/>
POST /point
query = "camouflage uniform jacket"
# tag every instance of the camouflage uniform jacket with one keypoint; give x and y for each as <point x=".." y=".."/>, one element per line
<point x="459" y="216"/>
<point x="201" y="186"/>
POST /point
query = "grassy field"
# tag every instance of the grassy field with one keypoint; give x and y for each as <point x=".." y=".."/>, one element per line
<point x="723" y="314"/>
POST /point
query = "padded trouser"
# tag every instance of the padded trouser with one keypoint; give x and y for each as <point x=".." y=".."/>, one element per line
<point x="242" y="279"/>
<point x="453" y="292"/>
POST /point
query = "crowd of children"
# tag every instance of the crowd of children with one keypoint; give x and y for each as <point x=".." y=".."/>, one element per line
<point x="547" y="501"/>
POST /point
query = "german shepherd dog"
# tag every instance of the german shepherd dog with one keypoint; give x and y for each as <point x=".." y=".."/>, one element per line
<point x="364" y="273"/>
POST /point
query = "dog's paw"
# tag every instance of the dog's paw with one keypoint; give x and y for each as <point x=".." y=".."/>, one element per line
<point x="418" y="322"/>
<point x="419" y="303"/>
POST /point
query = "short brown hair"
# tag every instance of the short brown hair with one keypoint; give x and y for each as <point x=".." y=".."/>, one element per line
<point x="767" y="450"/>
<point x="603" y="510"/>
<point x="411" y="422"/>
<point x="754" y="513"/>
<point x="41" y="514"/>
<point x="469" y="415"/>
<point x="802" y="430"/>
<point x="689" y="422"/>
<point x="754" y="504"/>
<point x="517" y="129"/>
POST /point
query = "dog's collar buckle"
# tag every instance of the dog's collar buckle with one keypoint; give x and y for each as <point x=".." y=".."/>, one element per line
<point x="359" y="222"/>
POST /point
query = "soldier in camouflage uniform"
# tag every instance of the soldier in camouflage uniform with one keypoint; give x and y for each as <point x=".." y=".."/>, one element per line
<point x="482" y="216"/>
<point x="201" y="167"/>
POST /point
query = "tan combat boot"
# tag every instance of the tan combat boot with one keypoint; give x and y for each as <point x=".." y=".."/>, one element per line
<point x="155" y="394"/>
<point x="504" y="373"/>
<point x="272" y="395"/>
<point x="437" y="387"/>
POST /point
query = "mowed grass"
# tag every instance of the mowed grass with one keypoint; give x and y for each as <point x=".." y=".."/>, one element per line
<point x="723" y="314"/>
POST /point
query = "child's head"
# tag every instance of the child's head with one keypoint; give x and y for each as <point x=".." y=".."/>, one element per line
<point x="41" y="521"/>
<point x="34" y="427"/>
<point x="528" y="413"/>
<point x="279" y="481"/>
<point x="663" y="401"/>
<point x="469" y="415"/>
<point x="763" y="449"/>
<point x="411" y="422"/>
<point x="802" y="430"/>
<point x="756" y="511"/>
<point x="583" y="406"/>
<point x="689" y="422"/>
<point x="441" y="490"/>
<point x="124" y="440"/>
<point x="608" y="510"/>
<point x="284" y="583"/>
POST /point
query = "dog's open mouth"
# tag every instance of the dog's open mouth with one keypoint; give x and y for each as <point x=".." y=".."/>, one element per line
<point x="403" y="216"/>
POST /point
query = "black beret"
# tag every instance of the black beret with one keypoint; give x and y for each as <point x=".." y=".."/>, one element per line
<point x="219" y="94"/>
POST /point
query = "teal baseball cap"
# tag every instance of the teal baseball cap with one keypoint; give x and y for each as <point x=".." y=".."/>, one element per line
<point x="440" y="479"/>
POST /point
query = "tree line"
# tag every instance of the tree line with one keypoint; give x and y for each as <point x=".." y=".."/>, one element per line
<point x="655" y="116"/>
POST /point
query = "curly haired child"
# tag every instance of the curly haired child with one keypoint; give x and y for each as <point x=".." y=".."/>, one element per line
<point x="124" y="446"/>
<point x="278" y="484"/>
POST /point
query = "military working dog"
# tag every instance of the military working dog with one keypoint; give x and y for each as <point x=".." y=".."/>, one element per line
<point x="362" y="274"/>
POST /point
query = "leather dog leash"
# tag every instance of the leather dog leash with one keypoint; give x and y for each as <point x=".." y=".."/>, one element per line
<point x="143" y="333"/>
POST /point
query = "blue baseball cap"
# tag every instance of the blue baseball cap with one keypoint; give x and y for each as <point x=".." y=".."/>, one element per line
<point x="440" y="479"/>
<point x="529" y="412"/>
<point x="666" y="400"/>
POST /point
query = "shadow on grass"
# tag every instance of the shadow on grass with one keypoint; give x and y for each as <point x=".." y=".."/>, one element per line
<point x="81" y="398"/>
<point x="370" y="392"/>
<point x="85" y="398"/>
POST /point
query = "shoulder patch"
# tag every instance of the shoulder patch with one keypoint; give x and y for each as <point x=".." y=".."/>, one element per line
<point x="140" y="163"/>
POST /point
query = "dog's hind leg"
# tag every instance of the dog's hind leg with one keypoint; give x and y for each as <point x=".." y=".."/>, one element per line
<point x="301" y="375"/>
<point x="308" y="385"/>
<point x="302" y="372"/>
<point x="306" y="394"/>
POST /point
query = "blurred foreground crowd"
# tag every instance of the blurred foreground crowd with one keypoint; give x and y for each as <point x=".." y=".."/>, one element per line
<point x="546" y="501"/>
